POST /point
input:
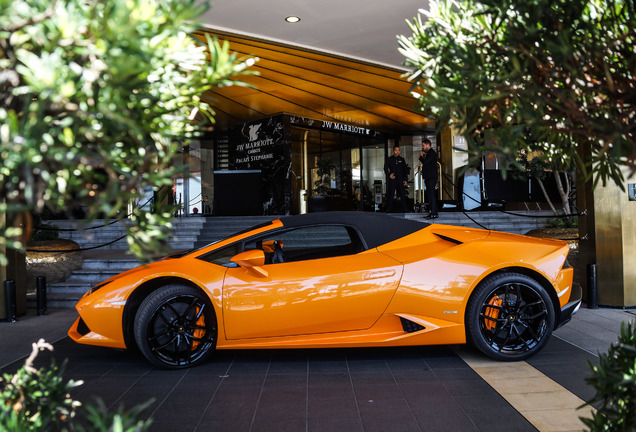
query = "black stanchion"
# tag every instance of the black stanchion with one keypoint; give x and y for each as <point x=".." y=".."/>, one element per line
<point x="9" y="296"/>
<point x="592" y="300"/>
<point x="40" y="284"/>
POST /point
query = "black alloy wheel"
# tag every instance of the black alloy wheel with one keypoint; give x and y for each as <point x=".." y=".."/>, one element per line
<point x="175" y="327"/>
<point x="510" y="317"/>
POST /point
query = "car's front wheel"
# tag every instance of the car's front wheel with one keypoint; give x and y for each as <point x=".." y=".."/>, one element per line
<point x="175" y="327"/>
<point x="509" y="317"/>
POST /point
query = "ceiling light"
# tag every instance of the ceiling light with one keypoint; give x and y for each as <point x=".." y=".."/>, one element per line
<point x="292" y="19"/>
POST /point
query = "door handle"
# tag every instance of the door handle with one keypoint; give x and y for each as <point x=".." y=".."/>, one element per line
<point x="378" y="274"/>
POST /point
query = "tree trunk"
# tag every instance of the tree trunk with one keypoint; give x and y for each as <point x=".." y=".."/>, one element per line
<point x="545" y="194"/>
<point x="564" y="196"/>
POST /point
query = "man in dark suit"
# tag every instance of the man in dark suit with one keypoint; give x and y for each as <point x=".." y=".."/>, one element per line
<point x="398" y="176"/>
<point x="428" y="158"/>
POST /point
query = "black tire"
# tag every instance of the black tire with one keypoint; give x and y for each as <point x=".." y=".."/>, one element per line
<point x="509" y="317"/>
<point x="175" y="327"/>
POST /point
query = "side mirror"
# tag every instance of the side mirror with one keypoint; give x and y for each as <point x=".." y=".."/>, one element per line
<point x="253" y="260"/>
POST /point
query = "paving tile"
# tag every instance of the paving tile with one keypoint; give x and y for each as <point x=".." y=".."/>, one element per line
<point x="182" y="394"/>
<point x="469" y="388"/>
<point x="426" y="390"/>
<point x="414" y="377"/>
<point x="445" y="423"/>
<point x="287" y="394"/>
<point x="233" y="394"/>
<point x="367" y="366"/>
<point x="525" y="385"/>
<point x="337" y="393"/>
<point x="233" y="411"/>
<point x="445" y="362"/>
<point x="299" y="367"/>
<point x="212" y="367"/>
<point x="172" y="426"/>
<point x="388" y="424"/>
<point x="396" y="409"/>
<point x="328" y="366"/>
<point x="440" y="406"/>
<point x="513" y="371"/>
<point x="407" y="365"/>
<point x="383" y="377"/>
<point x="182" y="411"/>
<point x="544" y="401"/>
<point x="494" y="413"/>
<point x="557" y="420"/>
<point x="334" y="424"/>
<point x="242" y="380"/>
<point x="286" y="380"/>
<point x="457" y="374"/>
<point x="273" y="410"/>
<point x="329" y="380"/>
<point x="285" y="425"/>
<point x="380" y="392"/>
<point x="233" y="425"/>
<point x="346" y="409"/>
<point x="193" y="381"/>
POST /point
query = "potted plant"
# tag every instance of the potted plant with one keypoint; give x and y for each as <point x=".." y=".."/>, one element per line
<point x="320" y="199"/>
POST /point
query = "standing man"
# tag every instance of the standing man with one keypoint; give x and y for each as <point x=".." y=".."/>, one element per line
<point x="428" y="158"/>
<point x="398" y="175"/>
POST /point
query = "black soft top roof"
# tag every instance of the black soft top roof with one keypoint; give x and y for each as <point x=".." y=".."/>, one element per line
<point x="375" y="228"/>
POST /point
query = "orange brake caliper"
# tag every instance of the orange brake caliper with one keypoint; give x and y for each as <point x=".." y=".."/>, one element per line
<point x="492" y="312"/>
<point x="198" y="333"/>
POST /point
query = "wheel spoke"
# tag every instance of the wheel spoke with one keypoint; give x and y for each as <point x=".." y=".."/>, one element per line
<point x="191" y="306"/>
<point x="164" y="345"/>
<point x="529" y="328"/>
<point x="199" y="313"/>
<point x="537" y="315"/>
<point x="160" y="334"/>
<point x="504" y="344"/>
<point x="165" y="319"/>
<point x="174" y="311"/>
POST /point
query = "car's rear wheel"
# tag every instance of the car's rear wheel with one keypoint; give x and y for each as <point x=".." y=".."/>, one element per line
<point x="175" y="327"/>
<point x="509" y="317"/>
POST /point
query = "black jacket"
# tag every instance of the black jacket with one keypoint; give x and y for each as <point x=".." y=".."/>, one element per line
<point x="429" y="164"/>
<point x="396" y="165"/>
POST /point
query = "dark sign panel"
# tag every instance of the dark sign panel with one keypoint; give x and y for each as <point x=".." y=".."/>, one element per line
<point x="265" y="145"/>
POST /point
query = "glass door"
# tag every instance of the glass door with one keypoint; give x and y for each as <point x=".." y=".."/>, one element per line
<point x="373" y="181"/>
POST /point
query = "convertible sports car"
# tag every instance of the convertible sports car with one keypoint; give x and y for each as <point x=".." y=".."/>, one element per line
<point x="337" y="279"/>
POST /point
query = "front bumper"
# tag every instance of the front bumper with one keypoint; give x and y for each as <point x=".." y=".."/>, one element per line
<point x="571" y="307"/>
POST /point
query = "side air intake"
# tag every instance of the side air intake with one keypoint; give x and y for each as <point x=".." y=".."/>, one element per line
<point x="448" y="239"/>
<point x="410" y="326"/>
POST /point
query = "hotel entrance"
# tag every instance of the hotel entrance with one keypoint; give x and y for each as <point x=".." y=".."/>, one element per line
<point x="288" y="164"/>
<point x="353" y="164"/>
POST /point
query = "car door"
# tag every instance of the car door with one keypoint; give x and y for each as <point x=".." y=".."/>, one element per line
<point x="322" y="286"/>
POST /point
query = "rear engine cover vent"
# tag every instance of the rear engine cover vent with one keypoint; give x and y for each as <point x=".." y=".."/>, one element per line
<point x="410" y="326"/>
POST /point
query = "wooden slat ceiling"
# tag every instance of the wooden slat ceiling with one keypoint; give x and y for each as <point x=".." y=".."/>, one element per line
<point x="317" y="86"/>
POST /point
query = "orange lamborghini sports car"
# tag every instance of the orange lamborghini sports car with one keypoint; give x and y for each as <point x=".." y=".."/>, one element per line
<point x="337" y="279"/>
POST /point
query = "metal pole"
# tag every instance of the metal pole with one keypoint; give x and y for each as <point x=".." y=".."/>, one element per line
<point x="40" y="284"/>
<point x="9" y="295"/>
<point x="592" y="300"/>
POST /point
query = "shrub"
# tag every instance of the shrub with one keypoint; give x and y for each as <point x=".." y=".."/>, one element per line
<point x="615" y="382"/>
<point x="39" y="400"/>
